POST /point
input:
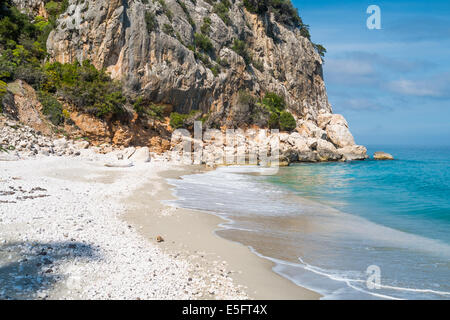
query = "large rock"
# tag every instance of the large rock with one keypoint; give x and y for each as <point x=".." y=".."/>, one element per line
<point x="355" y="152"/>
<point x="327" y="151"/>
<point x="340" y="135"/>
<point x="382" y="156"/>
<point x="141" y="155"/>
<point x="22" y="104"/>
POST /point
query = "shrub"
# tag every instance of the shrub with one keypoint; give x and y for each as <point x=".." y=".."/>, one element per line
<point x="203" y="42"/>
<point x="274" y="102"/>
<point x="320" y="49"/>
<point x="177" y="120"/>
<point x="283" y="10"/>
<point x="85" y="87"/>
<point x="287" y="121"/>
<point x="51" y="108"/>
<point x="240" y="48"/>
<point x="150" y="21"/>
<point x="221" y="9"/>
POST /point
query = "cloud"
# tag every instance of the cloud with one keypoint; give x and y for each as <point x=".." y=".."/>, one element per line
<point x="363" y="68"/>
<point x="437" y="86"/>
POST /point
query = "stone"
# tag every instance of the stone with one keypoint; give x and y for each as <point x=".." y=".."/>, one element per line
<point x="82" y="144"/>
<point x="340" y="135"/>
<point x="60" y="143"/>
<point x="379" y="155"/>
<point x="119" y="164"/>
<point x="141" y="155"/>
<point x="327" y="151"/>
<point x="355" y="152"/>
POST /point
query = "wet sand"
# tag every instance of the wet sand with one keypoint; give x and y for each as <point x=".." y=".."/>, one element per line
<point x="191" y="234"/>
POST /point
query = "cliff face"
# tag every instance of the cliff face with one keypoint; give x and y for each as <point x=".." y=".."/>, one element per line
<point x="199" y="55"/>
<point x="155" y="61"/>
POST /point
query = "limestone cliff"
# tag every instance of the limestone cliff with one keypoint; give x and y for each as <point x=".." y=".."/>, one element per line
<point x="155" y="58"/>
<point x="201" y="55"/>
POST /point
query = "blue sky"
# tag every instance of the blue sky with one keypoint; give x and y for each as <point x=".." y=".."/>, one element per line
<point x="393" y="84"/>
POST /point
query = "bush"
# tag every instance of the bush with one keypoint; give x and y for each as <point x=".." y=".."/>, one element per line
<point x="150" y="21"/>
<point x="51" y="108"/>
<point x="274" y="102"/>
<point x="177" y="120"/>
<point x="283" y="10"/>
<point x="221" y="9"/>
<point x="203" y="42"/>
<point x="240" y="48"/>
<point x="85" y="87"/>
<point x="287" y="121"/>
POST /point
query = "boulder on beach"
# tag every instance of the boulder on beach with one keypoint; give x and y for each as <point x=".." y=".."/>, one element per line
<point x="382" y="156"/>
<point x="141" y="155"/>
<point x="119" y="164"/>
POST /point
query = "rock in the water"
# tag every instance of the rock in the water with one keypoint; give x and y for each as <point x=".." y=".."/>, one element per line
<point x="354" y="152"/>
<point x="382" y="156"/>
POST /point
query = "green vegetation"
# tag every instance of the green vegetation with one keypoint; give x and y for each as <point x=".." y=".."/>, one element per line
<point x="279" y="118"/>
<point x="203" y="42"/>
<point x="320" y="49"/>
<point x="287" y="121"/>
<point x="51" y="107"/>
<point x="166" y="9"/>
<point x="150" y="21"/>
<point x="178" y="120"/>
<point x="283" y="9"/>
<point x="85" y="87"/>
<point x="240" y="48"/>
<point x="3" y="91"/>
<point x="186" y="12"/>
<point x="221" y="8"/>
<point x="206" y="26"/>
<point x="150" y="109"/>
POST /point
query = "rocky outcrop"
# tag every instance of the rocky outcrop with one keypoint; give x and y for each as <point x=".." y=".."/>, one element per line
<point x="22" y="104"/>
<point x="382" y="156"/>
<point x="32" y="7"/>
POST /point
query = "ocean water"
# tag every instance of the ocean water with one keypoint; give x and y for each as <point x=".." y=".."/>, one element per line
<point x="331" y="227"/>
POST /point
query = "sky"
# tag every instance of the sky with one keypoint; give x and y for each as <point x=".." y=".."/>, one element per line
<point x="391" y="84"/>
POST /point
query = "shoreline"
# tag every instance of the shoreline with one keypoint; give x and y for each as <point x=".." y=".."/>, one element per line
<point x="75" y="229"/>
<point x="202" y="243"/>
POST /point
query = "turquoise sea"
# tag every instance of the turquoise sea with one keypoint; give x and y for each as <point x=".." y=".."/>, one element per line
<point x="326" y="225"/>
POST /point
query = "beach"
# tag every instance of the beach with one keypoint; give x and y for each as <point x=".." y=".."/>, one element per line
<point x="75" y="229"/>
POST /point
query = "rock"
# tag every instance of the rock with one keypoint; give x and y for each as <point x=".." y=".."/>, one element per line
<point x="354" y="152"/>
<point x="141" y="155"/>
<point x="60" y="143"/>
<point x="25" y="106"/>
<point x="382" y="156"/>
<point x="80" y="145"/>
<point x="119" y="164"/>
<point x="340" y="135"/>
<point x="309" y="130"/>
<point x="327" y="151"/>
<point x="159" y="239"/>
<point x="9" y="157"/>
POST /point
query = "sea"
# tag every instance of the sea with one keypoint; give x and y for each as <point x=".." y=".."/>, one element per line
<point x="354" y="230"/>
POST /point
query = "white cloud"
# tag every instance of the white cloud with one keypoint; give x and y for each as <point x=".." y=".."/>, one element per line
<point x="437" y="86"/>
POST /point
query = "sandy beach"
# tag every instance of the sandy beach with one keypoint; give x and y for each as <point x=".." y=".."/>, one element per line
<point x="75" y="229"/>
